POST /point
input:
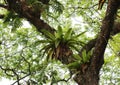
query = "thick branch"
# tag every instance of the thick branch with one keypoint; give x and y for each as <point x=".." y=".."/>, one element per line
<point x="91" y="43"/>
<point x="25" y="11"/>
<point x="116" y="28"/>
<point x="90" y="76"/>
<point x="106" y="28"/>
<point x="88" y="46"/>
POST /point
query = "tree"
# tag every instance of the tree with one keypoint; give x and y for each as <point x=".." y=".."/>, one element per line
<point x="35" y="55"/>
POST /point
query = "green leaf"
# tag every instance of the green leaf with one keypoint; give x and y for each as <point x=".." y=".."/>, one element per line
<point x="76" y="36"/>
<point x="68" y="34"/>
<point x="59" y="31"/>
<point x="50" y="53"/>
<point x="74" y="65"/>
<point x="74" y="47"/>
<point x="48" y="34"/>
<point x="57" y="42"/>
<point x="46" y="48"/>
<point x="77" y="57"/>
<point x="84" y="56"/>
<point x="73" y="41"/>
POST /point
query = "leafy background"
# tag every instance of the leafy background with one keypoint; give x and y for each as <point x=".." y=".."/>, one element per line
<point x="24" y="49"/>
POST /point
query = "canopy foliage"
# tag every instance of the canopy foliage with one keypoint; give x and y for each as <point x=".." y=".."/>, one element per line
<point x="54" y="41"/>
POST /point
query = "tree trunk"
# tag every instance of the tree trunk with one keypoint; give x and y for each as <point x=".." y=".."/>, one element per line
<point x="87" y="78"/>
<point x="89" y="75"/>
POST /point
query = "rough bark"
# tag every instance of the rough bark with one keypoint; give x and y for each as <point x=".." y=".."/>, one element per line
<point x="24" y="10"/>
<point x="91" y="74"/>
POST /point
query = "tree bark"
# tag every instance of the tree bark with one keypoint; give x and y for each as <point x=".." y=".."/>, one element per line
<point x="25" y="11"/>
<point x="90" y="76"/>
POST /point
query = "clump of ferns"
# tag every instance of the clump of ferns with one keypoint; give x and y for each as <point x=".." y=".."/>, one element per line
<point x="61" y="44"/>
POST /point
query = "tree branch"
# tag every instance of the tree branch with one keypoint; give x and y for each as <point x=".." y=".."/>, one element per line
<point x="91" y="43"/>
<point x="88" y="46"/>
<point x="116" y="28"/>
<point x="20" y="79"/>
<point x="7" y="69"/>
<point x="104" y="35"/>
<point x="25" y="11"/>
